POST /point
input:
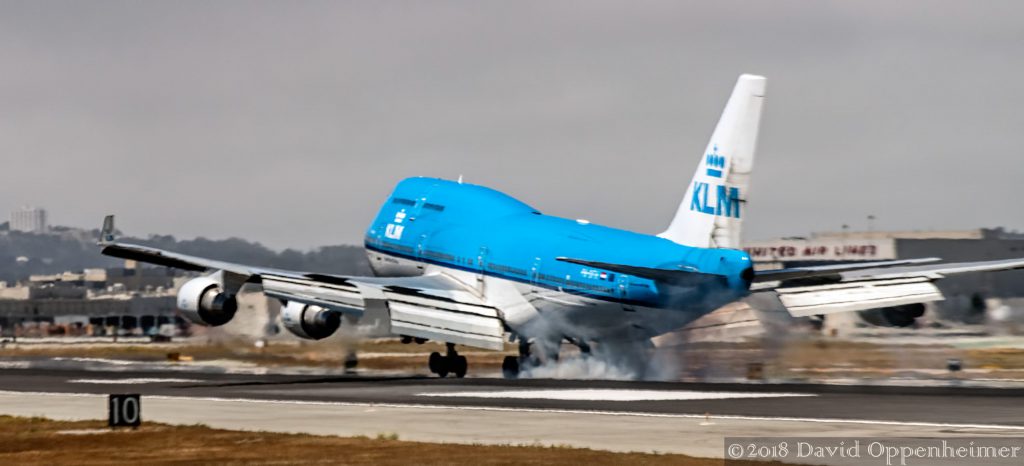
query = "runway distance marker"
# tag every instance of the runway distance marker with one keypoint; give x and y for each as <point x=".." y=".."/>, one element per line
<point x="124" y="410"/>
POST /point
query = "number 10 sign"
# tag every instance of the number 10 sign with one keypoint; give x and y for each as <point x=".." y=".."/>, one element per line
<point x="124" y="411"/>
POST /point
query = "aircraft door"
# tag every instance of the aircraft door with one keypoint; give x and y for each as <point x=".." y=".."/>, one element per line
<point x="481" y="263"/>
<point x="421" y="247"/>
<point x="623" y="285"/>
<point x="481" y="259"/>
<point x="535" y="271"/>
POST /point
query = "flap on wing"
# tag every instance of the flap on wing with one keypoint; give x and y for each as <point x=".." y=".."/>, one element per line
<point x="679" y="277"/>
<point x="802" y="301"/>
<point x="433" y="306"/>
<point x="344" y="298"/>
<point x="831" y="271"/>
<point x="438" y="307"/>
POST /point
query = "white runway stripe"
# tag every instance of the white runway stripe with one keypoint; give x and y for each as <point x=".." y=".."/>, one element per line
<point x="132" y="381"/>
<point x="587" y="394"/>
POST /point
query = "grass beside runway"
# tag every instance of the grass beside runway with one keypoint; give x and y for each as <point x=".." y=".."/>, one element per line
<point x="39" y="441"/>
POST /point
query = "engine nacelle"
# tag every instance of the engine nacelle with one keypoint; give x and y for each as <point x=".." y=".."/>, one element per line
<point x="202" y="301"/>
<point x="898" y="316"/>
<point x="310" y="322"/>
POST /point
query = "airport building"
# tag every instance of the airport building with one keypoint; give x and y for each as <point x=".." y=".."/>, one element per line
<point x="94" y="302"/>
<point x="29" y="220"/>
<point x="972" y="298"/>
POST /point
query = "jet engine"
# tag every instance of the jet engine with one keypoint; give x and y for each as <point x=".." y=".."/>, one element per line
<point x="202" y="301"/>
<point x="897" y="316"/>
<point x="310" y="322"/>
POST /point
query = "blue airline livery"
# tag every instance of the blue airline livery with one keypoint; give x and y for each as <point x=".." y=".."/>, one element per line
<point x="482" y="231"/>
<point x="467" y="265"/>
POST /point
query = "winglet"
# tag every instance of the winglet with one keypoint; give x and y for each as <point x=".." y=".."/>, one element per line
<point x="107" y="232"/>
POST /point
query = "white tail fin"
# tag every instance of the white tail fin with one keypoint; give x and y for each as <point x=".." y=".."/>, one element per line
<point x="712" y="211"/>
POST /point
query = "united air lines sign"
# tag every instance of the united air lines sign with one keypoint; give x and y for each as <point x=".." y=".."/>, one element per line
<point x="821" y="249"/>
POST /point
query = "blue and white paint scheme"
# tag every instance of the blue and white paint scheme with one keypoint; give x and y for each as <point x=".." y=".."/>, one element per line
<point x="569" y="267"/>
<point x="467" y="265"/>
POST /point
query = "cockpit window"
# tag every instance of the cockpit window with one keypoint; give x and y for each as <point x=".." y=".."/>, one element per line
<point x="402" y="201"/>
<point x="437" y="207"/>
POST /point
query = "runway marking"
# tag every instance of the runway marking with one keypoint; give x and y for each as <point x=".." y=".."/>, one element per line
<point x="705" y="417"/>
<point x="116" y="362"/>
<point x="133" y="381"/>
<point x="14" y="365"/>
<point x="88" y="431"/>
<point x="587" y="394"/>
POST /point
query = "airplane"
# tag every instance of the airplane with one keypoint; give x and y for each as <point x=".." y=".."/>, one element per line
<point x="467" y="265"/>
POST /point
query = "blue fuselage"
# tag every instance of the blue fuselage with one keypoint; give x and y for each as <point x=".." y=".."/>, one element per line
<point x="480" y="230"/>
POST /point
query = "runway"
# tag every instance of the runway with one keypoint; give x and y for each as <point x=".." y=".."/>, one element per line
<point x="944" y="405"/>
<point x="623" y="416"/>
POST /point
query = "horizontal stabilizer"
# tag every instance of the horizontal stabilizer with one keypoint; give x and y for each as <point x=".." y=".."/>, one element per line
<point x="831" y="271"/>
<point x="679" y="277"/>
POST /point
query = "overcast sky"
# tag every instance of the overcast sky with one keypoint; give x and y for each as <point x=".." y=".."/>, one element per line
<point x="288" y="123"/>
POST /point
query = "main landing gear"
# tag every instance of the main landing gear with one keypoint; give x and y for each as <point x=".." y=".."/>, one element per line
<point x="451" y="362"/>
<point x="510" y="365"/>
<point x="351" y="362"/>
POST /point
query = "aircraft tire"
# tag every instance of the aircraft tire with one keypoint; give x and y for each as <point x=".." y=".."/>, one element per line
<point x="459" y="366"/>
<point x="510" y="367"/>
<point x="436" y="362"/>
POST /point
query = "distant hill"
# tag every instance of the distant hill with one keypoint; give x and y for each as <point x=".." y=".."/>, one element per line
<point x="65" y="249"/>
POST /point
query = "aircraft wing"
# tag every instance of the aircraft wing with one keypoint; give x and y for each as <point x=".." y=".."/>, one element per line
<point x="831" y="271"/>
<point x="771" y="307"/>
<point x="941" y="270"/>
<point x="863" y="289"/>
<point x="432" y="306"/>
<point x="175" y="260"/>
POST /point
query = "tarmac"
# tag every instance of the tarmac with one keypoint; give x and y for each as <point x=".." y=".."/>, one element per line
<point x="688" y="418"/>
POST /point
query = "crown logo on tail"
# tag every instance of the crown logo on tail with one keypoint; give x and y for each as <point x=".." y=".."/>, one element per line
<point x="715" y="162"/>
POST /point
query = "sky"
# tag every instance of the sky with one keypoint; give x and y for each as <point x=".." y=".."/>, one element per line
<point x="288" y="123"/>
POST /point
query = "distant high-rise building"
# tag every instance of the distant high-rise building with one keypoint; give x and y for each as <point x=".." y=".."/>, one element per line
<point x="29" y="220"/>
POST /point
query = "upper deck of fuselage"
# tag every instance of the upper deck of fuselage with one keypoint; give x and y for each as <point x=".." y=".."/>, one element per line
<point x="449" y="215"/>
<point x="462" y="201"/>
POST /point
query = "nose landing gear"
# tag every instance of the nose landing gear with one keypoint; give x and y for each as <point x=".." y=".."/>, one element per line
<point x="451" y="362"/>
